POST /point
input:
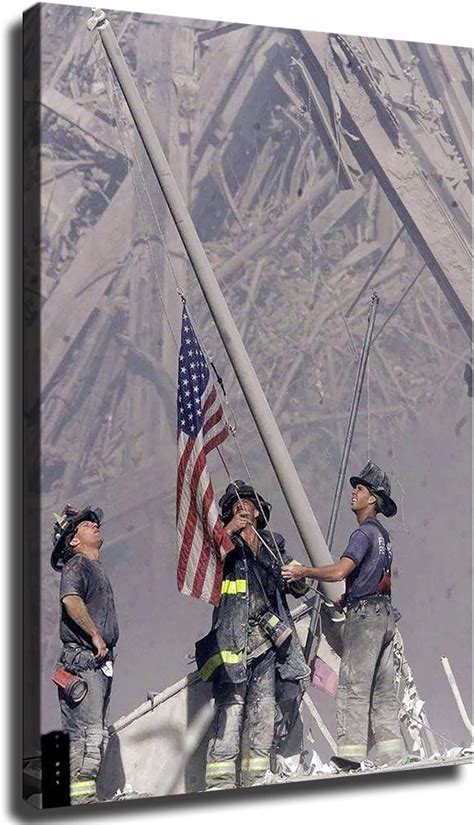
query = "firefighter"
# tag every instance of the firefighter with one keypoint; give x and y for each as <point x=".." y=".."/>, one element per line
<point x="366" y="698"/>
<point x="89" y="632"/>
<point x="252" y="647"/>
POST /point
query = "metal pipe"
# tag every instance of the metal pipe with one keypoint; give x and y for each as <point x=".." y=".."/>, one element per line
<point x="154" y="700"/>
<point x="457" y="695"/>
<point x="345" y="456"/>
<point x="297" y="500"/>
<point x="374" y="302"/>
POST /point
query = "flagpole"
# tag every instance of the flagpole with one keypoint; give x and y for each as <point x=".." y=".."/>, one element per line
<point x="297" y="500"/>
<point x="364" y="356"/>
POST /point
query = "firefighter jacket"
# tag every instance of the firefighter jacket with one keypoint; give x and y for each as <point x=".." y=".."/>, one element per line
<point x="222" y="655"/>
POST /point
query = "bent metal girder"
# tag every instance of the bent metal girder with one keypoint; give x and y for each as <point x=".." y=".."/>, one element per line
<point x="398" y="171"/>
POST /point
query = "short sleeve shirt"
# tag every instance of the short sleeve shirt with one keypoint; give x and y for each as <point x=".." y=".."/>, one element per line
<point x="87" y="578"/>
<point x="370" y="549"/>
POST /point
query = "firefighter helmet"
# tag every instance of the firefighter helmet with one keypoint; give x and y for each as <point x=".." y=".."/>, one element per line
<point x="378" y="483"/>
<point x="64" y="528"/>
<point x="240" y="490"/>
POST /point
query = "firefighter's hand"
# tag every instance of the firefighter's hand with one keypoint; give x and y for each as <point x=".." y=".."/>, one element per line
<point x="293" y="572"/>
<point x="99" y="645"/>
<point x="237" y="523"/>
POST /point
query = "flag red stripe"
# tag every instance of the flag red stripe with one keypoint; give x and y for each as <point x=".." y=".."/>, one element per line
<point x="188" y="533"/>
<point x="221" y="538"/>
<point x="203" y="562"/>
<point x="218" y="439"/>
<point x="183" y="462"/>
<point x="212" y="421"/>
<point x="209" y="400"/>
<point x="215" y="596"/>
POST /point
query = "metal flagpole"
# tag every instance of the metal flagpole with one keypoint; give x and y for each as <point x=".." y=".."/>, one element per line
<point x="283" y="466"/>
<point x="374" y="301"/>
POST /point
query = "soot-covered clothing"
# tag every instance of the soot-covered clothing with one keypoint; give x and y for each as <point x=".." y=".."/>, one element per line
<point x="87" y="578"/>
<point x="262" y="587"/>
<point x="223" y="654"/>
<point x="86" y="721"/>
<point x="366" y="697"/>
<point x="245" y="678"/>
<point x="369" y="548"/>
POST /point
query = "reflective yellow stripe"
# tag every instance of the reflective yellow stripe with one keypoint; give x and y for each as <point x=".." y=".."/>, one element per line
<point x="255" y="763"/>
<point x="82" y="787"/>
<point x="389" y="746"/>
<point x="227" y="657"/>
<point x="83" y="783"/>
<point x="351" y="751"/>
<point x="232" y="586"/>
<point x="225" y="768"/>
<point x="273" y="621"/>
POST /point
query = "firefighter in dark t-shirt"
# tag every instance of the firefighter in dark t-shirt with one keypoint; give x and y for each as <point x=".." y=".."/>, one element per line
<point x="89" y="632"/>
<point x="366" y="698"/>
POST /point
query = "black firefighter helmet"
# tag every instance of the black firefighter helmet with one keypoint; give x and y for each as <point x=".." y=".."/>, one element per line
<point x="64" y="528"/>
<point x="237" y="490"/>
<point x="378" y="483"/>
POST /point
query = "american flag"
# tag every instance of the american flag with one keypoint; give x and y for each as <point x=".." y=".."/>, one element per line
<point x="202" y="541"/>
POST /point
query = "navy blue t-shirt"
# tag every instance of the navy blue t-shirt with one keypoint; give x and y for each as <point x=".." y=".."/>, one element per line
<point x="369" y="547"/>
<point x="87" y="578"/>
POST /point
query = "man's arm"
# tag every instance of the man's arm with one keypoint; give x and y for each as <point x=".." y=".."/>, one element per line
<point x="77" y="610"/>
<point x="329" y="573"/>
<point x="297" y="587"/>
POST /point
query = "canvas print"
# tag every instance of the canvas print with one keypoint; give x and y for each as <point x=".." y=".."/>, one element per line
<point x="248" y="406"/>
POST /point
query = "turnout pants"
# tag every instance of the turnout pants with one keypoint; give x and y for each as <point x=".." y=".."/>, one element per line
<point x="244" y="727"/>
<point x="366" y="698"/>
<point x="86" y="724"/>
